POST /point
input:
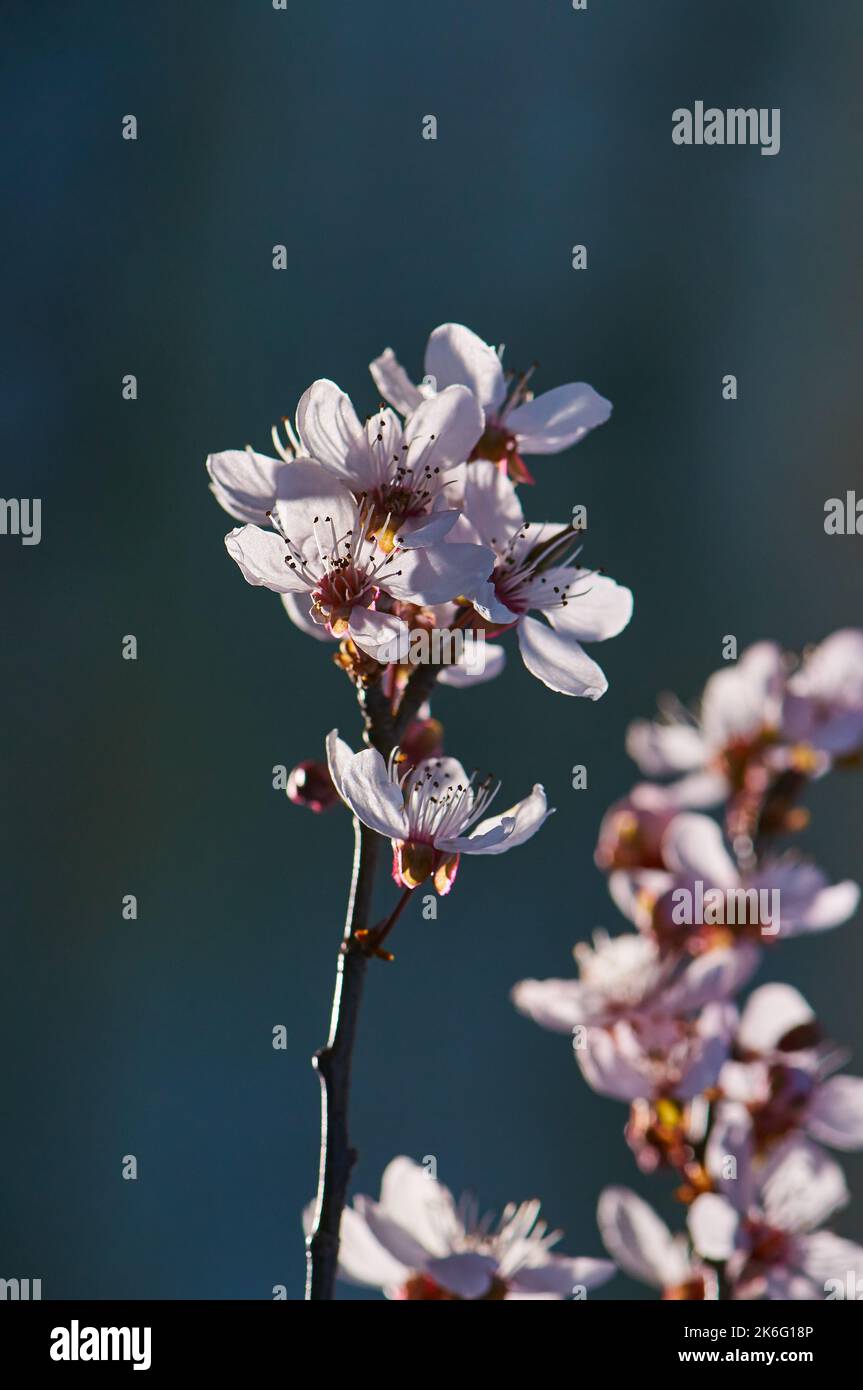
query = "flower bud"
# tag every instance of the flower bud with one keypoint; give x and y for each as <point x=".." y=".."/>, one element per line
<point x="310" y="785"/>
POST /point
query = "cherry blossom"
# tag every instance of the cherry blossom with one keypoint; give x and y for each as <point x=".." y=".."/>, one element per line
<point x="782" y="1074"/>
<point x="533" y="571"/>
<point x="824" y="700"/>
<point x="430" y="811"/>
<point x="402" y="475"/>
<point x="516" y="422"/>
<point x="418" y="1245"/>
<point x="627" y="976"/>
<point x="765" y="1225"/>
<point x="325" y="549"/>
<point x="656" y="1057"/>
<point x="739" y="722"/>
<point x="701" y="868"/>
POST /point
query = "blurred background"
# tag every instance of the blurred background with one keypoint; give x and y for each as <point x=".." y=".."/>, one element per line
<point x="154" y="777"/>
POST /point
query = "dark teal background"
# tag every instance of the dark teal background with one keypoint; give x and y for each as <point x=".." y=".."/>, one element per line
<point x="259" y="127"/>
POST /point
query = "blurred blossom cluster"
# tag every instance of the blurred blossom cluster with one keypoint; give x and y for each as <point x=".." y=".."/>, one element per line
<point x="734" y="1103"/>
<point x="409" y="523"/>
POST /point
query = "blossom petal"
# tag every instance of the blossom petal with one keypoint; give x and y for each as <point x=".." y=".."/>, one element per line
<point x="430" y="530"/>
<point x="313" y="506"/>
<point x="261" y="558"/>
<point x="558" y="418"/>
<point x="558" y="661"/>
<point x="596" y="608"/>
<point x="362" y="781"/>
<point x="715" y="1028"/>
<point x="466" y="1274"/>
<point x="491" y="504"/>
<point x="555" y="1004"/>
<point x="558" y="1276"/>
<point x="512" y="827"/>
<point x="664" y="749"/>
<point x="744" y="698"/>
<point x="443" y="430"/>
<point x="382" y="636"/>
<point x="297" y="609"/>
<point x="331" y="433"/>
<point x="713" y="1225"/>
<point x="824" y="703"/>
<point x="809" y="902"/>
<point x="244" y="483"/>
<point x="731" y="1138"/>
<point x="770" y="1013"/>
<point x="393" y="382"/>
<point x="714" y="975"/>
<point x="801" y="1187"/>
<point x="693" y="845"/>
<point x="456" y="355"/>
<point x="488" y="605"/>
<point x="399" y="1242"/>
<point x="411" y="1196"/>
<point x="824" y="1256"/>
<point x="639" y="1241"/>
<point x="362" y="1258"/>
<point x="439" y="573"/>
<point x="607" y="1069"/>
<point x="835" y="1114"/>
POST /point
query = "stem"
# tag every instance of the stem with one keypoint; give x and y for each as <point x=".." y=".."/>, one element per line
<point x="381" y="933"/>
<point x="333" y="1065"/>
<point x="333" y="1062"/>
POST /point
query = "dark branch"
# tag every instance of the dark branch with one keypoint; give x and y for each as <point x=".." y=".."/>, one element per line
<point x="334" y="1062"/>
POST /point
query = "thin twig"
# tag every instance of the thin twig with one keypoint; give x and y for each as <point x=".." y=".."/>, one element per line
<point x="333" y="1064"/>
<point x="334" y="1061"/>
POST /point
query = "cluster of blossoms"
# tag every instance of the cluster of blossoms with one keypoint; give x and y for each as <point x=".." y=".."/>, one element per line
<point x="382" y="534"/>
<point x="375" y="533"/>
<point x="736" y="1105"/>
<point x="409" y="523"/>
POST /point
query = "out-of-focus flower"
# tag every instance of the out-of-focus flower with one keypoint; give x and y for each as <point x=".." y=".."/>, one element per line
<point x="534" y="572"/>
<point x="418" y="1245"/>
<point x="631" y="831"/>
<point x="656" y="1057"/>
<point x="310" y="785"/>
<point x="782" y="1075"/>
<point x="705" y="897"/>
<point x="516" y="423"/>
<point x="740" y="719"/>
<point x="327" y="551"/>
<point x="764" y="1224"/>
<point x="824" y="700"/>
<point x="429" y="812"/>
<point x="625" y="976"/>
<point x="642" y="1245"/>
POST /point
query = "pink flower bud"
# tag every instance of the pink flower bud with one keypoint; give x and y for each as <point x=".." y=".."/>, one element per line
<point x="310" y="785"/>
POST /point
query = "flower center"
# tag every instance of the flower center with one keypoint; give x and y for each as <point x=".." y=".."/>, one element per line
<point x="790" y="1093"/>
<point x="335" y="595"/>
<point x="499" y="445"/>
